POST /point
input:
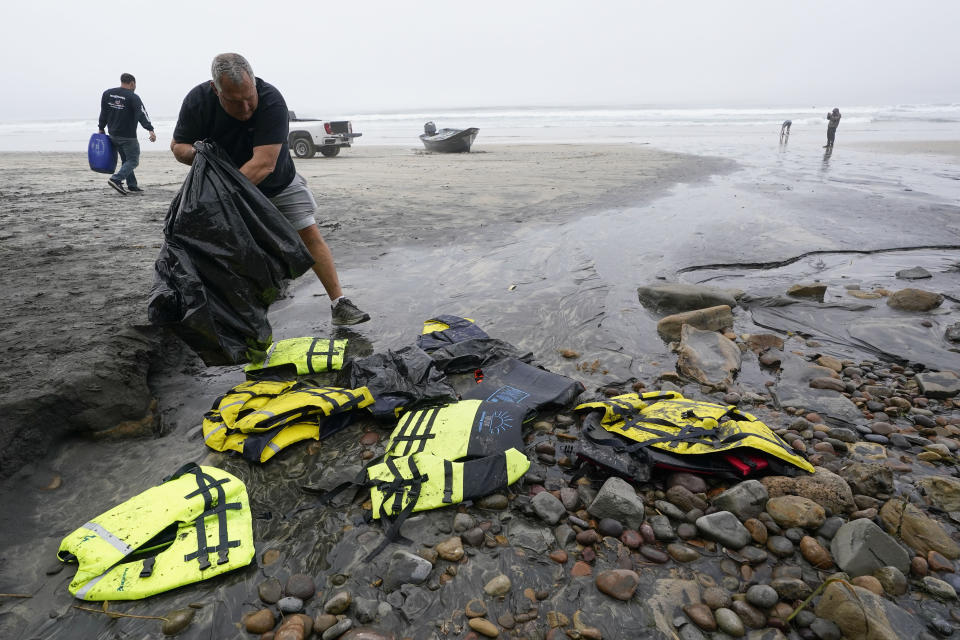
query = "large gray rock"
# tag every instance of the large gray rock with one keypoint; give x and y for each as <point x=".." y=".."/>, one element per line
<point x="903" y="337"/>
<point x="548" y="507"/>
<point x="826" y="489"/>
<point x="914" y="273"/>
<point x="723" y="527"/>
<point x="863" y="615"/>
<point x="939" y="384"/>
<point x="617" y="499"/>
<point x="793" y="390"/>
<point x="406" y="568"/>
<point x="662" y="602"/>
<point x="813" y="291"/>
<point x="917" y="530"/>
<point x="914" y="300"/>
<point x="745" y="500"/>
<point x="943" y="492"/>
<point x="527" y="536"/>
<point x="674" y="298"/>
<point x="860" y="547"/>
<point x="869" y="479"/>
<point x="710" y="319"/>
<point x="707" y="357"/>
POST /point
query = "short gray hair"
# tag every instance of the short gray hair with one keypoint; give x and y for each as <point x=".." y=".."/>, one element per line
<point x="232" y="65"/>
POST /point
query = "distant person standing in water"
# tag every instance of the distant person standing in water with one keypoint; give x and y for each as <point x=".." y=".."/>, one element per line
<point x="785" y="129"/>
<point x="120" y="110"/>
<point x="833" y="121"/>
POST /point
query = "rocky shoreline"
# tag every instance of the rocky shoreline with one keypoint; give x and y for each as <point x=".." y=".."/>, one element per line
<point x="865" y="547"/>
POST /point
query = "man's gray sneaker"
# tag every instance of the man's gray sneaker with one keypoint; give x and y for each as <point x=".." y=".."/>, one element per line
<point x="345" y="312"/>
<point x="118" y="187"/>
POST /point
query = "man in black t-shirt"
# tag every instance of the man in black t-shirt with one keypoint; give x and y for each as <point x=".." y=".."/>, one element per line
<point x="120" y="110"/>
<point x="248" y="119"/>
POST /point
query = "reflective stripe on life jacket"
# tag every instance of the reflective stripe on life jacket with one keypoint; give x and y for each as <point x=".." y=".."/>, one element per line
<point x="302" y="356"/>
<point x="193" y="526"/>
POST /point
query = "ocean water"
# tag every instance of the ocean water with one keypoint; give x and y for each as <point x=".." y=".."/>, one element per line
<point x="557" y="125"/>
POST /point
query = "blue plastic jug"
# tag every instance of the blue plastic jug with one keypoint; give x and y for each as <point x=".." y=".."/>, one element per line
<point x="101" y="154"/>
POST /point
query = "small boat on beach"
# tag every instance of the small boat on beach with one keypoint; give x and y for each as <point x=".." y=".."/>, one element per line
<point x="447" y="140"/>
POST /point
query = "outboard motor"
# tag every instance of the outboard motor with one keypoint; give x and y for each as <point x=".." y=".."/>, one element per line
<point x="430" y="128"/>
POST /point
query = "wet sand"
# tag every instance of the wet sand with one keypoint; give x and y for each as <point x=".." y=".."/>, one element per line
<point x="947" y="150"/>
<point x="79" y="256"/>
<point x="543" y="245"/>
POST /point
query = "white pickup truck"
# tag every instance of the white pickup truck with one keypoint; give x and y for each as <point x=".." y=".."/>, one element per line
<point x="307" y="136"/>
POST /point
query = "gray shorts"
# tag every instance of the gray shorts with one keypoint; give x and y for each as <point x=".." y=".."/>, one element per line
<point x="297" y="204"/>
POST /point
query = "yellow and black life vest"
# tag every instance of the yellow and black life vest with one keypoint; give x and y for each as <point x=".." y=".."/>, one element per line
<point x="258" y="419"/>
<point x="425" y="481"/>
<point x="440" y="456"/>
<point x="465" y="429"/>
<point x="194" y="526"/>
<point x="670" y="422"/>
<point x="299" y="357"/>
<point x="443" y="330"/>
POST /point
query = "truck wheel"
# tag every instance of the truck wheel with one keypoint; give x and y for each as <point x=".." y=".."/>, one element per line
<point x="303" y="148"/>
<point x="329" y="151"/>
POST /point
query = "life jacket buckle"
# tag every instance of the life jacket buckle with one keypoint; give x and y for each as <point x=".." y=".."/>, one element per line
<point x="147" y="569"/>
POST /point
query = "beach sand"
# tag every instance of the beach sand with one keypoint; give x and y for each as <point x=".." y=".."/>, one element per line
<point x="79" y="258"/>
<point x="544" y="245"/>
<point x="947" y="150"/>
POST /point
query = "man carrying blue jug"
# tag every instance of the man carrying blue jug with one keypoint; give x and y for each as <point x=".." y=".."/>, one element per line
<point x="120" y="110"/>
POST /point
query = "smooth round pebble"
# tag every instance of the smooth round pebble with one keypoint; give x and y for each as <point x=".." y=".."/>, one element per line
<point x="300" y="585"/>
<point x="177" y="621"/>
<point x="729" y="622"/>
<point x="762" y="595"/>
<point x="259" y="621"/>
<point x="270" y="591"/>
<point x="290" y="604"/>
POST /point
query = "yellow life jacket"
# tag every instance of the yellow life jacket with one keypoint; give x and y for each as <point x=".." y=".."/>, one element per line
<point x="427" y="481"/>
<point x="445" y="455"/>
<point x="258" y="419"/>
<point x="199" y="520"/>
<point x="668" y="421"/>
<point x="440" y="456"/>
<point x="444" y="330"/>
<point x="465" y="429"/>
<point x="300" y="357"/>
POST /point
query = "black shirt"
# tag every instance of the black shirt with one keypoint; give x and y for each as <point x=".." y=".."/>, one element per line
<point x="202" y="118"/>
<point x="120" y="109"/>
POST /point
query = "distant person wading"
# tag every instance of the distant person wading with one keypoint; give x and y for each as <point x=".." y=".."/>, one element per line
<point x="833" y="121"/>
<point x="248" y="119"/>
<point x="120" y="110"/>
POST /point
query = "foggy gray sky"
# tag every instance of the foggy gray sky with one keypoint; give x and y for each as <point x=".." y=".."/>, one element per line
<point x="333" y="58"/>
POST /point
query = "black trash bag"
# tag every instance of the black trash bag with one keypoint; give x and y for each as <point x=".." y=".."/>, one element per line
<point x="227" y="251"/>
<point x="534" y="388"/>
<point x="398" y="379"/>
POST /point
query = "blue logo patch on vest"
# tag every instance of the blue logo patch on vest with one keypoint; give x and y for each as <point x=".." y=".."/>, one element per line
<point x="507" y="393"/>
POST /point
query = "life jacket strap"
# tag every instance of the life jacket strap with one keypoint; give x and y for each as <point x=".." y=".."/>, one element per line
<point x="327" y="496"/>
<point x="410" y="437"/>
<point x="314" y="351"/>
<point x="395" y="489"/>
<point x="447" y="481"/>
<point x="205" y="485"/>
